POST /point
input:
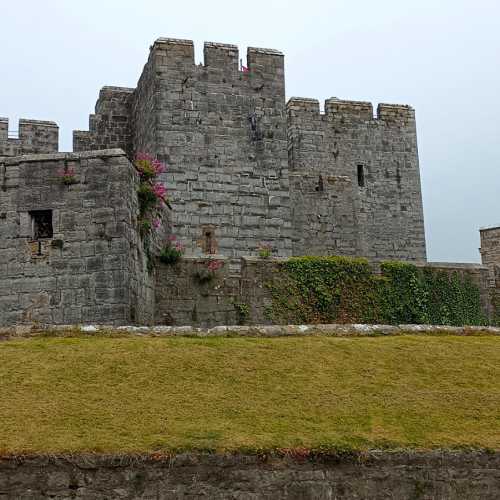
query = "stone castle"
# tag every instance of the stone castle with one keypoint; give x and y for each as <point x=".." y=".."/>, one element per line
<point x="245" y="168"/>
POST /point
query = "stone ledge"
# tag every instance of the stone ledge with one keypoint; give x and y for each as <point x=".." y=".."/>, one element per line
<point x="261" y="50"/>
<point x="265" y="331"/>
<point x="493" y="228"/>
<point x="103" y="153"/>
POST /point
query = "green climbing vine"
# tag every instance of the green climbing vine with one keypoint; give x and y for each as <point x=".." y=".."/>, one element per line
<point x="345" y="290"/>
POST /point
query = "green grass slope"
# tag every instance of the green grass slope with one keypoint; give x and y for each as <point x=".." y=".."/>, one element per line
<point x="167" y="394"/>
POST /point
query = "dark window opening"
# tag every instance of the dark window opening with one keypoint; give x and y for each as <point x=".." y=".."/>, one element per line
<point x="320" y="187"/>
<point x="361" y="176"/>
<point x="209" y="243"/>
<point x="41" y="223"/>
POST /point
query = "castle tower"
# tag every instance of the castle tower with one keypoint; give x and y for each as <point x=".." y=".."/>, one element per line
<point x="246" y="168"/>
<point x="490" y="256"/>
<point x="490" y="251"/>
<point x="366" y="171"/>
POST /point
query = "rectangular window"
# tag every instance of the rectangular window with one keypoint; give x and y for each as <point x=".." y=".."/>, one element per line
<point x="41" y="223"/>
<point x="361" y="176"/>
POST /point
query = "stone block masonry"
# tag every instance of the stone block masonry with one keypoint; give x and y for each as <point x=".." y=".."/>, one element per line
<point x="490" y="255"/>
<point x="246" y="297"/>
<point x="490" y="250"/>
<point x="110" y="126"/>
<point x="380" y="214"/>
<point x="222" y="133"/>
<point x="446" y="475"/>
<point x="246" y="168"/>
<point x="71" y="253"/>
<point x="33" y="136"/>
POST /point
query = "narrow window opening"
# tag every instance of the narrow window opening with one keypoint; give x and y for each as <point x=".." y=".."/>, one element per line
<point x="320" y="187"/>
<point x="209" y="246"/>
<point x="41" y="223"/>
<point x="361" y="176"/>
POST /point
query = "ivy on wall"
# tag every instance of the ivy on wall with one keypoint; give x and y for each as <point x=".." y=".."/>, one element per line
<point x="345" y="290"/>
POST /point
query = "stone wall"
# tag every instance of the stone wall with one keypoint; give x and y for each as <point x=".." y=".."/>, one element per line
<point x="183" y="297"/>
<point x="245" y="168"/>
<point x="379" y="155"/>
<point x="375" y="475"/>
<point x="33" y="136"/>
<point x="477" y="273"/>
<point x="89" y="266"/>
<point x="222" y="134"/>
<point x="110" y="127"/>
<point x="490" y="249"/>
<point x="490" y="255"/>
<point x="244" y="297"/>
<point x="323" y="214"/>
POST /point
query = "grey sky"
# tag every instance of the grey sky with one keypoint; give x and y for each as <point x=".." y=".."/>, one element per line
<point x="440" y="56"/>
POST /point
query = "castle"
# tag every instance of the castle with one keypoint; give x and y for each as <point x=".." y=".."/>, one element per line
<point x="245" y="168"/>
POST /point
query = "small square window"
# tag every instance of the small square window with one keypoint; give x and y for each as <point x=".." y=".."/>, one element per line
<point x="41" y="224"/>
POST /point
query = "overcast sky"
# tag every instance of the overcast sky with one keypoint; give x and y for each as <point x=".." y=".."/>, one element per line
<point x="440" y="56"/>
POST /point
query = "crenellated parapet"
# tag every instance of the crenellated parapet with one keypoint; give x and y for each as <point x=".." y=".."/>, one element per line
<point x="350" y="111"/>
<point x="32" y="136"/>
<point x="378" y="153"/>
<point x="231" y="143"/>
<point x="110" y="126"/>
<point x="175" y="59"/>
<point x="178" y="53"/>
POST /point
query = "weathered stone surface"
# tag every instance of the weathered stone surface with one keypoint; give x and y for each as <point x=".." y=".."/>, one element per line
<point x="373" y="475"/>
<point x="356" y="180"/>
<point x="182" y="300"/>
<point x="333" y="330"/>
<point x="91" y="267"/>
<point x="245" y="168"/>
<point x="33" y="136"/>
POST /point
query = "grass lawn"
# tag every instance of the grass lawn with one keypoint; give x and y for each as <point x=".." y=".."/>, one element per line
<point x="165" y="394"/>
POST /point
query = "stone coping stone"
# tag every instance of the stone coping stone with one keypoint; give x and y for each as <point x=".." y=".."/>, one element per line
<point x="266" y="331"/>
<point x="98" y="153"/>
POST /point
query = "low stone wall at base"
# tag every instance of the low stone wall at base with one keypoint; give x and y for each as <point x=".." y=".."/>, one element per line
<point x="253" y="294"/>
<point x="374" y="475"/>
<point x="265" y="331"/>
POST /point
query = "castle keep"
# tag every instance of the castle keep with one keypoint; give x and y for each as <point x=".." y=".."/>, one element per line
<point x="245" y="168"/>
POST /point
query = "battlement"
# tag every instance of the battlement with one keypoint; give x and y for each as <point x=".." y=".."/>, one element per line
<point x="110" y="126"/>
<point x="178" y="53"/>
<point x="299" y="105"/>
<point x="350" y="111"/>
<point x="32" y="136"/>
<point x="399" y="113"/>
<point x="219" y="55"/>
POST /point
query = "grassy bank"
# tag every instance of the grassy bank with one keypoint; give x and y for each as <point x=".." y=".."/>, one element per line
<point x="163" y="394"/>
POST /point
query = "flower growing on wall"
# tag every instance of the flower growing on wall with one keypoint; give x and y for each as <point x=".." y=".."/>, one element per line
<point x="209" y="270"/>
<point x="264" y="250"/>
<point x="67" y="176"/>
<point x="173" y="251"/>
<point x="152" y="193"/>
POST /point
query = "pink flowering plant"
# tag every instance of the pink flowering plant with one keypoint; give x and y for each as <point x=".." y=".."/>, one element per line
<point x="152" y="193"/>
<point x="172" y="251"/>
<point x="264" y="250"/>
<point x="209" y="270"/>
<point x="67" y="176"/>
